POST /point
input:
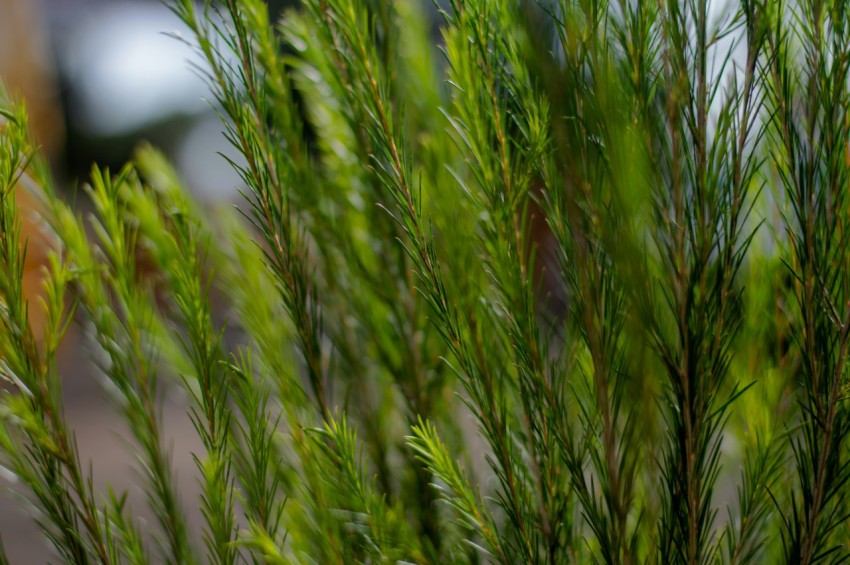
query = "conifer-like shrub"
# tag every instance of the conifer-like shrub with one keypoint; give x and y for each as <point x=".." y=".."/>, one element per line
<point x="569" y="283"/>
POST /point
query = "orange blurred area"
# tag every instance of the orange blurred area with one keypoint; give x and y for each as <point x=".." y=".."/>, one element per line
<point x="39" y="244"/>
<point x="28" y="74"/>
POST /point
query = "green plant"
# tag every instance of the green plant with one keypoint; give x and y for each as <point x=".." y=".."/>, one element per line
<point x="606" y="238"/>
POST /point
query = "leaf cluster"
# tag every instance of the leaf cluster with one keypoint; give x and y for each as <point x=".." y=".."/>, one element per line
<point x="564" y="289"/>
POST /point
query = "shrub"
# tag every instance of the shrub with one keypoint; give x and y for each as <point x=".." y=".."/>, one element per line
<point x="575" y="290"/>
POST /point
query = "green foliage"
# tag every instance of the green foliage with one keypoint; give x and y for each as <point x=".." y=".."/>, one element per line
<point x="572" y="287"/>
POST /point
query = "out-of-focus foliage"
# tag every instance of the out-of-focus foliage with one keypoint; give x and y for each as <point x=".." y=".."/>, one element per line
<point x="571" y="287"/>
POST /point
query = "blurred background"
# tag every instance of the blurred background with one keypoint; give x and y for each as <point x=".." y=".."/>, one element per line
<point x="98" y="77"/>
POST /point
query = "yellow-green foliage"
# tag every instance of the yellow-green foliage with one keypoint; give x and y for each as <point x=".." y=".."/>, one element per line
<point x="568" y="284"/>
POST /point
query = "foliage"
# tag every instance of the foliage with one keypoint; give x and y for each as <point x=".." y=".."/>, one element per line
<point x="573" y="287"/>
